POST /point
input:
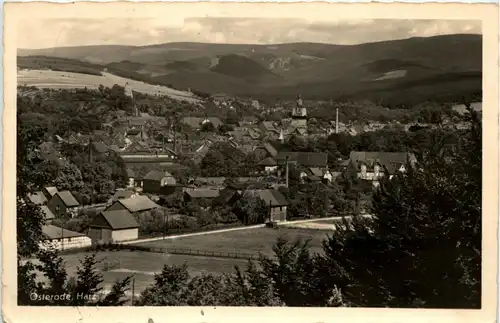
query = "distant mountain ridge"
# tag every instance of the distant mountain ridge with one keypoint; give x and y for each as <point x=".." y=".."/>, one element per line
<point x="376" y="71"/>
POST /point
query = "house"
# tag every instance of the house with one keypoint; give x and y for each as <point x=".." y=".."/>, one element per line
<point x="62" y="239"/>
<point x="49" y="192"/>
<point x="216" y="122"/>
<point x="196" y="122"/>
<point x="63" y="203"/>
<point x="113" y="226"/>
<point x="201" y="194"/>
<point x="202" y="151"/>
<point x="121" y="194"/>
<point x="140" y="152"/>
<point x="303" y="159"/>
<point x="97" y="149"/>
<point x="37" y="198"/>
<point x="157" y="180"/>
<point x="221" y="99"/>
<point x="47" y="213"/>
<point x="131" y="178"/>
<point x="268" y="127"/>
<point x="373" y="165"/>
<point x="276" y="202"/>
<point x="270" y="164"/>
<point x="265" y="150"/>
<point x="136" y="205"/>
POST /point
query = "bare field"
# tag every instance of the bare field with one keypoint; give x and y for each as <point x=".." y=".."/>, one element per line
<point x="243" y="241"/>
<point x="66" y="80"/>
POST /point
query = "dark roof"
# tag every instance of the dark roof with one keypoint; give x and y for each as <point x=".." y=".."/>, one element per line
<point x="99" y="147"/>
<point x="37" y="198"/>
<point x="308" y="159"/>
<point x="203" y="193"/>
<point x="130" y="173"/>
<point x="68" y="198"/>
<point x="138" y="203"/>
<point x="272" y="197"/>
<point x="157" y="175"/>
<point x="52" y="232"/>
<point x="193" y="122"/>
<point x="269" y="161"/>
<point x="121" y="219"/>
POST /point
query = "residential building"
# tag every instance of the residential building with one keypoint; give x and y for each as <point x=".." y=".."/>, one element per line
<point x="199" y="195"/>
<point x="37" y="198"/>
<point x="113" y="226"/>
<point x="303" y="159"/>
<point x="47" y="213"/>
<point x="136" y="205"/>
<point x="374" y="165"/>
<point x="63" y="203"/>
<point x="265" y="150"/>
<point x="62" y="239"/>
<point x="269" y="164"/>
<point x="158" y="181"/>
<point x="49" y="192"/>
<point x="121" y="194"/>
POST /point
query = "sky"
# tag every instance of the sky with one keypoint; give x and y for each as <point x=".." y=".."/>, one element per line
<point x="48" y="33"/>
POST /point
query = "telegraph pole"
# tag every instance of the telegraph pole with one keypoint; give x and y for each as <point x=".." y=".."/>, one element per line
<point x="286" y="171"/>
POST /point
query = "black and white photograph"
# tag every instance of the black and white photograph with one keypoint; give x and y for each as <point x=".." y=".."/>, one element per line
<point x="214" y="161"/>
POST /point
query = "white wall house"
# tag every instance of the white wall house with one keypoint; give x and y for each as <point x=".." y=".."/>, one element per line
<point x="63" y="239"/>
<point x="113" y="226"/>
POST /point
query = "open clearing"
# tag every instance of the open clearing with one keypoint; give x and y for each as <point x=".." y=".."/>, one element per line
<point x="243" y="241"/>
<point x="66" y="80"/>
<point x="145" y="264"/>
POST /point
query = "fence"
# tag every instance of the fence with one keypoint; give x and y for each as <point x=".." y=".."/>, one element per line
<point x="171" y="232"/>
<point x="206" y="253"/>
<point x="173" y="251"/>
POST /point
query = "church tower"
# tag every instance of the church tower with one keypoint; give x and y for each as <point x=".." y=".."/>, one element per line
<point x="299" y="114"/>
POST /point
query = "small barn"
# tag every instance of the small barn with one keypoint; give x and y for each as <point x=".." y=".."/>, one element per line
<point x="113" y="226"/>
<point x="63" y="239"/>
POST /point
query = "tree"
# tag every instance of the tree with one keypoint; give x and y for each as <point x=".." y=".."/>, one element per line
<point x="69" y="178"/>
<point x="34" y="262"/>
<point x="422" y="248"/>
<point x="252" y="209"/>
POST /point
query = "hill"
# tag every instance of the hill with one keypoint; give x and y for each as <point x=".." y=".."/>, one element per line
<point x="399" y="71"/>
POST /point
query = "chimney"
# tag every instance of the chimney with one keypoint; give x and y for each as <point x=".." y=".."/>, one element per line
<point x="337" y="120"/>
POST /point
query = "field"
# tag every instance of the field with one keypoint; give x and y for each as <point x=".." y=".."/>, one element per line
<point x="243" y="241"/>
<point x="146" y="264"/>
<point x="67" y="80"/>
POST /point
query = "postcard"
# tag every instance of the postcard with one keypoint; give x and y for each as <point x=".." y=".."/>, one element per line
<point x="309" y="162"/>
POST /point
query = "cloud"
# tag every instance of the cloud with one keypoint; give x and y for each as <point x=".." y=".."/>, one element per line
<point x="137" y="31"/>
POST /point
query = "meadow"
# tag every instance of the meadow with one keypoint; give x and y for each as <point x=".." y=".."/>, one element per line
<point x="252" y="241"/>
<point x="67" y="80"/>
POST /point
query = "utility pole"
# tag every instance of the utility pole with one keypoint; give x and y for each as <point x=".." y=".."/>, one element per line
<point x="62" y="237"/>
<point x="337" y="121"/>
<point x="286" y="171"/>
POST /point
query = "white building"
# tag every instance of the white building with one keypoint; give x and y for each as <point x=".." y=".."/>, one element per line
<point x="63" y="239"/>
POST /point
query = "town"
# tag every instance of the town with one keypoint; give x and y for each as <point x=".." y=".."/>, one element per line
<point x="137" y="193"/>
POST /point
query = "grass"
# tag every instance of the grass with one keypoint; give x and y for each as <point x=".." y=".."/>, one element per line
<point x="145" y="264"/>
<point x="244" y="241"/>
<point x="57" y="80"/>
